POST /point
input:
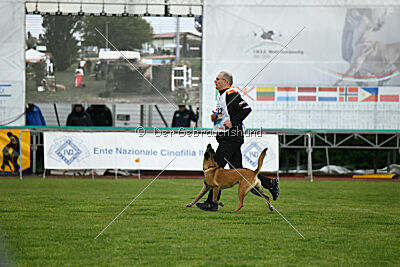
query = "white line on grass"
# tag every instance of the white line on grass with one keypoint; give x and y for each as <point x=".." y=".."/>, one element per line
<point x="134" y="198"/>
<point x="264" y="198"/>
<point x="135" y="68"/>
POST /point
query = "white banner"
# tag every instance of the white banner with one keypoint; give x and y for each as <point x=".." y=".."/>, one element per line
<point x="12" y="63"/>
<point x="147" y="151"/>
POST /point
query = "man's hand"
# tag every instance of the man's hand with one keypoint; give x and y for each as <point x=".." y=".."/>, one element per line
<point x="213" y="116"/>
<point x="228" y="124"/>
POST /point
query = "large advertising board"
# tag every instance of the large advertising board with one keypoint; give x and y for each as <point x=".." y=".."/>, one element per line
<point x="307" y="60"/>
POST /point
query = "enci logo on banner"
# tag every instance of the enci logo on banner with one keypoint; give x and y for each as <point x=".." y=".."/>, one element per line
<point x="68" y="149"/>
<point x="252" y="151"/>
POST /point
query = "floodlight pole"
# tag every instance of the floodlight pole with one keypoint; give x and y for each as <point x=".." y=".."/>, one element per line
<point x="177" y="41"/>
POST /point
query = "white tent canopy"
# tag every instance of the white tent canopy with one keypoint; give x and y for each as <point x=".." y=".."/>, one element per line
<point x="32" y="55"/>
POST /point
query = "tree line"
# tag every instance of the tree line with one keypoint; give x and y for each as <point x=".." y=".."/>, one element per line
<point x="63" y="34"/>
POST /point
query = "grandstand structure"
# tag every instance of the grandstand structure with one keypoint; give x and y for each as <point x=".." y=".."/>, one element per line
<point x="303" y="72"/>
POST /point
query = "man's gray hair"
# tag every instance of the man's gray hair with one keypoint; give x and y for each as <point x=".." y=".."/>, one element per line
<point x="227" y="76"/>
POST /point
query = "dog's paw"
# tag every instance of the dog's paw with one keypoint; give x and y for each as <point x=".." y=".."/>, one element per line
<point x="189" y="205"/>
<point x="271" y="208"/>
<point x="221" y="204"/>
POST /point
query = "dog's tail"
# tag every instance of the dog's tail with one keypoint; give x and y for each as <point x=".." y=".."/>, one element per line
<point x="260" y="160"/>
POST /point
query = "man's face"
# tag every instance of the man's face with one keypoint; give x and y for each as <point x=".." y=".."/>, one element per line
<point x="220" y="83"/>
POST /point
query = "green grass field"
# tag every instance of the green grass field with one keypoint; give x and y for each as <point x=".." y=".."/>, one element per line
<point x="54" y="222"/>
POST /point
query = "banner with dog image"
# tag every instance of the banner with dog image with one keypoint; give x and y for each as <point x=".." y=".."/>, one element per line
<point x="311" y="45"/>
<point x="155" y="150"/>
<point x="10" y="146"/>
<point x="306" y="64"/>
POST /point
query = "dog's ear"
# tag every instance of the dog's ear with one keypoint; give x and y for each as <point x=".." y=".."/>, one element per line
<point x="209" y="146"/>
<point x="206" y="155"/>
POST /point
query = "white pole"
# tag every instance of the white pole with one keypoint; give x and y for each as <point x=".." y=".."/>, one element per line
<point x="309" y="151"/>
<point x="173" y="79"/>
<point x="184" y="76"/>
<point x="139" y="170"/>
<point x="115" y="177"/>
<point x="177" y="55"/>
<point x="190" y="77"/>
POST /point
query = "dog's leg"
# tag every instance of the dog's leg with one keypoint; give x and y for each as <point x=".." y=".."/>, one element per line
<point x="263" y="195"/>
<point x="204" y="190"/>
<point x="215" y="194"/>
<point x="244" y="188"/>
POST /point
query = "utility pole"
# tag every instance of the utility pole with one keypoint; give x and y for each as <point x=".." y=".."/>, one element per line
<point x="177" y="41"/>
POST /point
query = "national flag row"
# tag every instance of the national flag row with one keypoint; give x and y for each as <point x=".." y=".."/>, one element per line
<point x="328" y="94"/>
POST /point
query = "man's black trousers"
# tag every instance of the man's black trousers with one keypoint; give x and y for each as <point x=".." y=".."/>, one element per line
<point x="227" y="153"/>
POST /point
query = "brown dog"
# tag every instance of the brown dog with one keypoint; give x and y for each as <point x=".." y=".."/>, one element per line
<point x="218" y="178"/>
